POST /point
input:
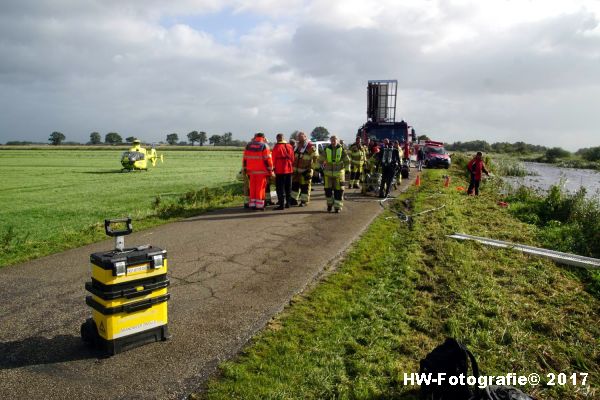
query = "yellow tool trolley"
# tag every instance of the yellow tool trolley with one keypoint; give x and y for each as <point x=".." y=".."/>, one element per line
<point x="128" y="294"/>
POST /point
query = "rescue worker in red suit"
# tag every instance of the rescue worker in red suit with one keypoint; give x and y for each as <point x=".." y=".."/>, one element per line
<point x="257" y="163"/>
<point x="283" y="161"/>
<point x="475" y="168"/>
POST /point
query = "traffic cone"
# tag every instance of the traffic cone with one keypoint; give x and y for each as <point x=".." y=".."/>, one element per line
<point x="447" y="181"/>
<point x="418" y="180"/>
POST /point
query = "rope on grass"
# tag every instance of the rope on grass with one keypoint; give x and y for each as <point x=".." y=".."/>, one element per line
<point x="407" y="218"/>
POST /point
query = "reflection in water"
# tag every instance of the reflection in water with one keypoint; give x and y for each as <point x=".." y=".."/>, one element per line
<point x="546" y="175"/>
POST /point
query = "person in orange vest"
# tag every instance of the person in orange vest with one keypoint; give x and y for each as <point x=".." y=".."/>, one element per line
<point x="283" y="161"/>
<point x="475" y="168"/>
<point x="257" y="163"/>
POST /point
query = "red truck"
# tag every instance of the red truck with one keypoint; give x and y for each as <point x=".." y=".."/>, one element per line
<point x="381" y="120"/>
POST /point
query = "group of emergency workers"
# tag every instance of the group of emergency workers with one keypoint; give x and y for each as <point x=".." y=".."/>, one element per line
<point x="291" y="166"/>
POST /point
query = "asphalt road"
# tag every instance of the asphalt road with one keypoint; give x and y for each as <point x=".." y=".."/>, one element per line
<point x="230" y="270"/>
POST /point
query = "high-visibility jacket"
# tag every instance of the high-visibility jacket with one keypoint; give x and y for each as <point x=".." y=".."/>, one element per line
<point x="358" y="155"/>
<point x="305" y="157"/>
<point x="283" y="158"/>
<point x="476" y="167"/>
<point x="334" y="160"/>
<point x="400" y="152"/>
<point x="257" y="158"/>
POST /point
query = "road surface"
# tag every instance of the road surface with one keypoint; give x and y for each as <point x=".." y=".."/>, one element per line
<point x="231" y="271"/>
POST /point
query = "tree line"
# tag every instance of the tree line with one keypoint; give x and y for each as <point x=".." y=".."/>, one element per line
<point x="226" y="139"/>
<point x="498" y="147"/>
<point x="56" y="138"/>
<point x="201" y="138"/>
<point x="550" y="154"/>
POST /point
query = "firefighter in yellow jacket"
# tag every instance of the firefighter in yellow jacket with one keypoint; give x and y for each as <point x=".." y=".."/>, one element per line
<point x="334" y="161"/>
<point x="305" y="158"/>
<point x="358" y="158"/>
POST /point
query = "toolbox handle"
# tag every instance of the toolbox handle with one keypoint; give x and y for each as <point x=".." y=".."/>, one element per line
<point x="148" y="288"/>
<point x="142" y="305"/>
<point x="137" y="306"/>
<point x="110" y="232"/>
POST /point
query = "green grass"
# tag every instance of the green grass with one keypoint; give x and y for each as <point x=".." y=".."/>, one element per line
<point x="510" y="167"/>
<point x="404" y="288"/>
<point x="118" y="147"/>
<point x="56" y="199"/>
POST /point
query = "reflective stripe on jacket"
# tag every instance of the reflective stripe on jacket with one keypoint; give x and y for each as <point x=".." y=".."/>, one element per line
<point x="305" y="157"/>
<point x="389" y="156"/>
<point x="357" y="154"/>
<point x="257" y="157"/>
<point x="334" y="160"/>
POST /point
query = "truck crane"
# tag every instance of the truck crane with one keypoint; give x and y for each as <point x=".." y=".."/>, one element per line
<point x="381" y="120"/>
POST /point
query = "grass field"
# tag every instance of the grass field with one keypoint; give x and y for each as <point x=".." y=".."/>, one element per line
<point x="57" y="199"/>
<point x="403" y="288"/>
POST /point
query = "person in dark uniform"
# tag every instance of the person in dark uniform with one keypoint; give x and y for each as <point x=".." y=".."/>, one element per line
<point x="389" y="160"/>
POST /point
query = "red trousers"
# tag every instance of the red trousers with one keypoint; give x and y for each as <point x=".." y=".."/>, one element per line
<point x="258" y="183"/>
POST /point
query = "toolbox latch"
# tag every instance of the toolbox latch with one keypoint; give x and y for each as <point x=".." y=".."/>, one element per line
<point x="120" y="268"/>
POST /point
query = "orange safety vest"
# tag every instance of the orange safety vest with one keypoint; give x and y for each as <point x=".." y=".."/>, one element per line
<point x="257" y="158"/>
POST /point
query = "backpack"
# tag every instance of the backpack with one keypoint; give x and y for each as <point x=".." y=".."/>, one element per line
<point x="503" y="393"/>
<point x="451" y="357"/>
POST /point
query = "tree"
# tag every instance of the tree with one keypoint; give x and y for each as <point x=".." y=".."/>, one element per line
<point x="215" y="139"/>
<point x="172" y="138"/>
<point x="319" y="133"/>
<point x="56" y="138"/>
<point x="130" y="139"/>
<point x="556" y="152"/>
<point x="590" y="153"/>
<point x="226" y="138"/>
<point x="113" y="138"/>
<point x="193" y="136"/>
<point x="95" y="138"/>
<point x="423" y="137"/>
<point x="202" y="138"/>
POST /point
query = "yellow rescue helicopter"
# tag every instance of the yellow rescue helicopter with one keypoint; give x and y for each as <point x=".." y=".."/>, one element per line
<point x="137" y="157"/>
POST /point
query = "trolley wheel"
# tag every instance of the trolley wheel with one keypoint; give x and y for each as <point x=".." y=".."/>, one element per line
<point x="89" y="332"/>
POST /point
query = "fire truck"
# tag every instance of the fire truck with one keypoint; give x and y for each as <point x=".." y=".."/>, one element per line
<point x="381" y="120"/>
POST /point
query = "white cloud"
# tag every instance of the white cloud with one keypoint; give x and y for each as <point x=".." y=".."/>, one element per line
<point x="496" y="70"/>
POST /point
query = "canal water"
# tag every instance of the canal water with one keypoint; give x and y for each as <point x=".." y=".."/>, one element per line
<point x="545" y="175"/>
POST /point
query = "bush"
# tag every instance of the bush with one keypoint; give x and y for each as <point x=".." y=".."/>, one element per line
<point x="507" y="167"/>
<point x="556" y="152"/>
<point x="567" y="221"/>
<point x="194" y="201"/>
<point x="590" y="153"/>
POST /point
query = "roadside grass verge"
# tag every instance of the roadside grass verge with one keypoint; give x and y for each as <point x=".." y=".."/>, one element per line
<point x="564" y="221"/>
<point x="54" y="200"/>
<point x="403" y="288"/>
<point x="19" y="247"/>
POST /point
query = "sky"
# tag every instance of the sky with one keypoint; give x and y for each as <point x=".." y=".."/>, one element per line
<point x="496" y="70"/>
